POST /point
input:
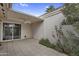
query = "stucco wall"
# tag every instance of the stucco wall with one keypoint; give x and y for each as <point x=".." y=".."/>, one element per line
<point x="0" y="30"/>
<point x="46" y="29"/>
<point x="38" y="30"/>
<point x="25" y="28"/>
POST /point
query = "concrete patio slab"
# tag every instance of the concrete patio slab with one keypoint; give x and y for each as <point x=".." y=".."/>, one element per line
<point x="29" y="47"/>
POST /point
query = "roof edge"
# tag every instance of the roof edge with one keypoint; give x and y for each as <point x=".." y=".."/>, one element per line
<point x="24" y="14"/>
<point x="57" y="11"/>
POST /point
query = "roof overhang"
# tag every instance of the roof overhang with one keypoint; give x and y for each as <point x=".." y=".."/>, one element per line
<point x="26" y="18"/>
<point x="22" y="17"/>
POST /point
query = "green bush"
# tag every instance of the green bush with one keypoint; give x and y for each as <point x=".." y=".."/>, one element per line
<point x="47" y="43"/>
<point x="70" y="45"/>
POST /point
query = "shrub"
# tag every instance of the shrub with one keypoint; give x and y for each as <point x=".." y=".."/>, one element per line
<point x="69" y="12"/>
<point x="46" y="42"/>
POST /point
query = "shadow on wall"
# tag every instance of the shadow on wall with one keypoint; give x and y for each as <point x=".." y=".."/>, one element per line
<point x="38" y="30"/>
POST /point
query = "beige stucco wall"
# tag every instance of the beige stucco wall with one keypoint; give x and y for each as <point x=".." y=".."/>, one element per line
<point x="38" y="30"/>
<point x="25" y="28"/>
<point x="47" y="28"/>
<point x="0" y="30"/>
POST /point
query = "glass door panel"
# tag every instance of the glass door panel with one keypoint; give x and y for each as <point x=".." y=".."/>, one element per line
<point x="17" y="31"/>
<point x="7" y="32"/>
<point x="11" y="31"/>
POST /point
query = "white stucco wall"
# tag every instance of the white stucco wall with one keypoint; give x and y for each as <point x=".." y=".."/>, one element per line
<point x="25" y="28"/>
<point x="47" y="28"/>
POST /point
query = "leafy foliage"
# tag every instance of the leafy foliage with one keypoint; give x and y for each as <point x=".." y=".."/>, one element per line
<point x="71" y="12"/>
<point x="50" y="9"/>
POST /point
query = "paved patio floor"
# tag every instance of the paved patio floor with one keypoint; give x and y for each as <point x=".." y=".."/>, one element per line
<point x="28" y="47"/>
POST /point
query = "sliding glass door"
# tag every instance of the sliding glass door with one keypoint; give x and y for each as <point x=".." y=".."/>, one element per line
<point x="11" y="31"/>
<point x="17" y="31"/>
